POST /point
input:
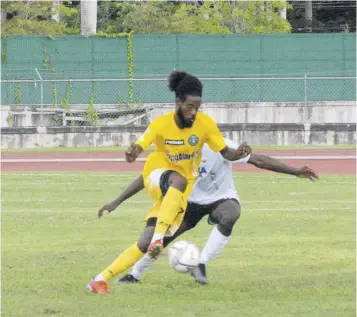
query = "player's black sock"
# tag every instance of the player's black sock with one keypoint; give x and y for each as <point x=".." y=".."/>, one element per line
<point x="202" y="268"/>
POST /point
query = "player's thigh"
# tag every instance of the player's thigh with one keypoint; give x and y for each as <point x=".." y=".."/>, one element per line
<point x="177" y="181"/>
<point x="155" y="181"/>
<point x="225" y="212"/>
<point x="147" y="234"/>
<point x="159" y="180"/>
<point x="172" y="178"/>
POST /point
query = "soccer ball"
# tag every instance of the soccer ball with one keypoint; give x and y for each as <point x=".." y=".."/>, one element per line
<point x="183" y="256"/>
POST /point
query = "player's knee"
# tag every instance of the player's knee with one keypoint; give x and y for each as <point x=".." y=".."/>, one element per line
<point x="227" y="222"/>
<point x="178" y="181"/>
<point x="231" y="218"/>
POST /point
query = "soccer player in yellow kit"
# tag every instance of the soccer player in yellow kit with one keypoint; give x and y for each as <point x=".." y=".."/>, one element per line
<point x="170" y="170"/>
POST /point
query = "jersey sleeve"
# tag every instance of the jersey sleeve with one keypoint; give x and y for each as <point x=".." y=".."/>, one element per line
<point x="148" y="137"/>
<point x="233" y="145"/>
<point x="214" y="137"/>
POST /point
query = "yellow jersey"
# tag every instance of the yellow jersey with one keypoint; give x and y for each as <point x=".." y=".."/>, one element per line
<point x="181" y="149"/>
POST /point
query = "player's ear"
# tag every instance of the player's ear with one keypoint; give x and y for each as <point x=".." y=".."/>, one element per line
<point x="178" y="101"/>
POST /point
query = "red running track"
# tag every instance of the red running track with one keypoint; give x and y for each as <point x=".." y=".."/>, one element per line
<point x="321" y="166"/>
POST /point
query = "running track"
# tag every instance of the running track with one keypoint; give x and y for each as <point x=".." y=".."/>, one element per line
<point x="322" y="161"/>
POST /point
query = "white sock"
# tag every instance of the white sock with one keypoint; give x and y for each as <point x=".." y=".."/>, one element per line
<point x="214" y="245"/>
<point x="141" y="266"/>
<point x="99" y="277"/>
<point x="157" y="236"/>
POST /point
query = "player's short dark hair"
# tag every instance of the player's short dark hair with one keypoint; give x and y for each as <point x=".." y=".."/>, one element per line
<point x="184" y="84"/>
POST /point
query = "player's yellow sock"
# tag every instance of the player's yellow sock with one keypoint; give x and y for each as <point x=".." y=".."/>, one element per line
<point x="125" y="260"/>
<point x="171" y="212"/>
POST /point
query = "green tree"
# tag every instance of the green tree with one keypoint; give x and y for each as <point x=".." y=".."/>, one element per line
<point x="35" y="17"/>
<point x="148" y="17"/>
<point x="145" y="18"/>
<point x="142" y="17"/>
<point x="196" y="17"/>
<point x="200" y="19"/>
<point x="217" y="17"/>
<point x="108" y="19"/>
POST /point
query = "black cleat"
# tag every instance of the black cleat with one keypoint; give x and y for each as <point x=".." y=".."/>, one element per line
<point x="127" y="279"/>
<point x="199" y="273"/>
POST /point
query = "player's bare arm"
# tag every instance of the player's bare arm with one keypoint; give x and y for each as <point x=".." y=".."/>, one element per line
<point x="231" y="154"/>
<point x="271" y="164"/>
<point x="132" y="189"/>
<point x="133" y="152"/>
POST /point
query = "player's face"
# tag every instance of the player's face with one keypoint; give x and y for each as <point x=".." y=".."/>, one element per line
<point x="187" y="110"/>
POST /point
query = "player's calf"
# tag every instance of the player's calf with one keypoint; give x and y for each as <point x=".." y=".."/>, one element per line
<point x="146" y="236"/>
<point x="225" y="215"/>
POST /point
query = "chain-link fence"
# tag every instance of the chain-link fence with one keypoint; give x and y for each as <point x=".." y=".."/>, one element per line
<point x="58" y="102"/>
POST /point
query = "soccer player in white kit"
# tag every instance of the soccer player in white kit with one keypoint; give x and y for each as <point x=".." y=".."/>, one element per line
<point x="213" y="194"/>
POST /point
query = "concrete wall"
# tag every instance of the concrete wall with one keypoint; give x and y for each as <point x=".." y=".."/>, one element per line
<point x="270" y="112"/>
<point x="318" y="112"/>
<point x="254" y="134"/>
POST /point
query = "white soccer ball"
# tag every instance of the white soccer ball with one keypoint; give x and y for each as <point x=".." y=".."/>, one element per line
<point x="183" y="256"/>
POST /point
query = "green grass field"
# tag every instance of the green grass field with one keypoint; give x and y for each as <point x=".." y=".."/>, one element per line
<point x="292" y="252"/>
<point x="123" y="148"/>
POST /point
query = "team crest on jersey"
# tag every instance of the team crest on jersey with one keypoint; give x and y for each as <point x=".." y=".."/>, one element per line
<point x="193" y="140"/>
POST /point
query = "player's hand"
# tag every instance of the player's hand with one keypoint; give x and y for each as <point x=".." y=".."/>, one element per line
<point x="107" y="208"/>
<point x="244" y="149"/>
<point x="307" y="172"/>
<point x="132" y="153"/>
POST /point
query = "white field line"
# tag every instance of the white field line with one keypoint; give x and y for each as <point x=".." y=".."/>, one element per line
<point x="247" y="210"/>
<point x="130" y="175"/>
<point x="20" y="184"/>
<point x="44" y="178"/>
<point x="93" y="160"/>
<point x="265" y="184"/>
<point x="139" y="202"/>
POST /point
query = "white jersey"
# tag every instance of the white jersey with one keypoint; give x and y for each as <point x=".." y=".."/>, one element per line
<point x="215" y="180"/>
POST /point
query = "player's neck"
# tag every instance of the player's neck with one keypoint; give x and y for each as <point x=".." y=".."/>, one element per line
<point x="178" y="121"/>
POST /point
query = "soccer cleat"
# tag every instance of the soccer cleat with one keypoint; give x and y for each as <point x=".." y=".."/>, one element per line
<point x="99" y="287"/>
<point x="128" y="279"/>
<point x="199" y="273"/>
<point x="155" y="248"/>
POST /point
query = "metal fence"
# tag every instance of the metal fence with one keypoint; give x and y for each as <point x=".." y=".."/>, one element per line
<point x="39" y="101"/>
